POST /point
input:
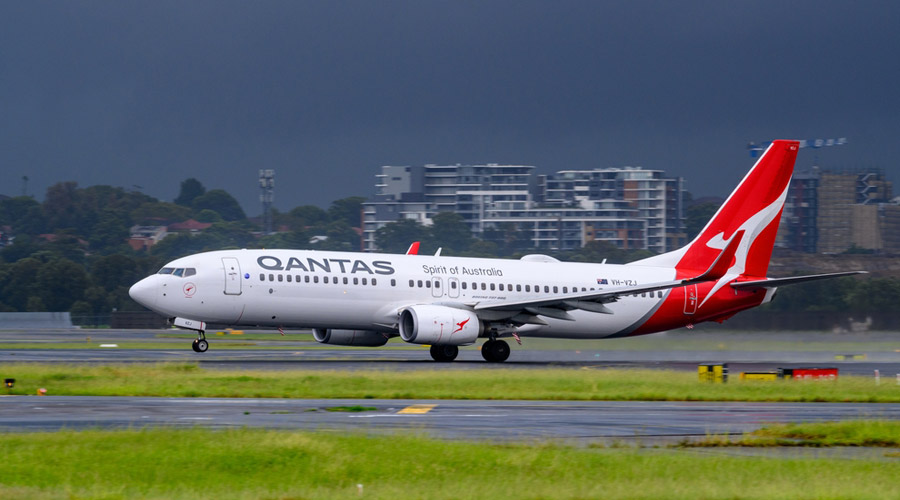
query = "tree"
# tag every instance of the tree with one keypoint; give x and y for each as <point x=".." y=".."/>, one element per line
<point x="61" y="282"/>
<point x="698" y="216"/>
<point x="306" y="216"/>
<point x="24" y="214"/>
<point x="348" y="210"/>
<point x="190" y="190"/>
<point x="221" y="202"/>
<point x="450" y="232"/>
<point x="395" y="237"/>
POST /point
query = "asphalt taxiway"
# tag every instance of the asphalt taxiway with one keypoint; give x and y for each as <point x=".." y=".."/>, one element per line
<point x="601" y="421"/>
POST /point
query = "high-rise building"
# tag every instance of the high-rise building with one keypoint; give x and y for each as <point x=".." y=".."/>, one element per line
<point x="628" y="207"/>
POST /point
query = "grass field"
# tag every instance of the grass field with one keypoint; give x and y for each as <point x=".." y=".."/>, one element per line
<point x="188" y="380"/>
<point x="198" y="463"/>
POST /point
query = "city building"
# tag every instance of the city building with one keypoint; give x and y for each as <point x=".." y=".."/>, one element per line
<point x="834" y="211"/>
<point x="629" y="207"/>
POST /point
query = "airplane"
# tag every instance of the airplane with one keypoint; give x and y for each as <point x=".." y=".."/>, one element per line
<point x="365" y="299"/>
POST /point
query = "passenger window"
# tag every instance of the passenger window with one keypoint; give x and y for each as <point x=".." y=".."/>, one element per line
<point x="315" y="279"/>
<point x="437" y="284"/>
<point x="289" y="277"/>
<point x="546" y="289"/>
<point x="325" y="279"/>
<point x="644" y="295"/>
<point x="346" y="281"/>
<point x="262" y="277"/>
<point x="355" y="281"/>
<point x="659" y="294"/>
<point x="306" y="279"/>
<point x="427" y="284"/>
<point x="280" y="277"/>
<point x="484" y="286"/>
<point x="373" y="282"/>
<point x="393" y="281"/>
<point x="518" y="288"/>
<point x="501" y="287"/>
<point x="508" y="288"/>
<point x="555" y="290"/>
<point x="365" y="281"/>
<point x="565" y="289"/>
<point x="419" y="283"/>
<point x="189" y="272"/>
<point x="453" y="285"/>
<point x="527" y="288"/>
<point x="412" y="283"/>
<point x="463" y="285"/>
<point x="271" y="277"/>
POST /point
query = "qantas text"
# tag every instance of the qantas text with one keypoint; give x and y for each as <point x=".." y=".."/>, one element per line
<point x="326" y="265"/>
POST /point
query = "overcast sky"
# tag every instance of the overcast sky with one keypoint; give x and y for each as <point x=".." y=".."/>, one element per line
<point x="151" y="93"/>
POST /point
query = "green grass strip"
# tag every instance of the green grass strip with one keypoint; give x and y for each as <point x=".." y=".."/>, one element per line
<point x="188" y="380"/>
<point x="868" y="433"/>
<point x="238" y="464"/>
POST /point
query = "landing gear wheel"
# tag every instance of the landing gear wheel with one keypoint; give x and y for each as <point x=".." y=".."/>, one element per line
<point x="203" y="345"/>
<point x="194" y="345"/>
<point x="495" y="351"/>
<point x="444" y="352"/>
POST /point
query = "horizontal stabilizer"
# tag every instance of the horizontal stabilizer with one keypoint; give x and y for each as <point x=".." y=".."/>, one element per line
<point x="771" y="283"/>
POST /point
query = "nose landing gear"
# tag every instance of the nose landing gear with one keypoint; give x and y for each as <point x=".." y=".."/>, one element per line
<point x="200" y="344"/>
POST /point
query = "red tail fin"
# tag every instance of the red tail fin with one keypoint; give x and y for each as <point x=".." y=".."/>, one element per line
<point x="754" y="207"/>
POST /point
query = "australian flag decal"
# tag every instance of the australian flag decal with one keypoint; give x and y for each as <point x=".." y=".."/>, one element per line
<point x="602" y="281"/>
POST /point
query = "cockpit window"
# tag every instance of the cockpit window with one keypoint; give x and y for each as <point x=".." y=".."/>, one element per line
<point x="183" y="272"/>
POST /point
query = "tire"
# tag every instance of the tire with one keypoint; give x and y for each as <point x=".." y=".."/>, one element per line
<point x="444" y="353"/>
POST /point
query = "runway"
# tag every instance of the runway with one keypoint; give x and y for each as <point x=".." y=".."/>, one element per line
<point x="583" y="422"/>
<point x="861" y="354"/>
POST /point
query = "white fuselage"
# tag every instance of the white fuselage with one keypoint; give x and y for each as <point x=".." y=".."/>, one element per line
<point x="312" y="289"/>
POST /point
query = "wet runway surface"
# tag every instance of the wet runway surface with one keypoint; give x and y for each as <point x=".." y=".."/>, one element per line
<point x="608" y="422"/>
<point x="626" y="422"/>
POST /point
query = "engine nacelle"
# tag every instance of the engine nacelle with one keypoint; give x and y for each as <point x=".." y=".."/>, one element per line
<point x="439" y="325"/>
<point x="365" y="338"/>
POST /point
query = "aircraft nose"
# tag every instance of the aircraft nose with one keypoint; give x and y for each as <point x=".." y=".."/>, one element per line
<point x="144" y="292"/>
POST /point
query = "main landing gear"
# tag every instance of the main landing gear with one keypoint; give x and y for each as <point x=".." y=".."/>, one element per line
<point x="444" y="352"/>
<point x="495" y="351"/>
<point x="200" y="344"/>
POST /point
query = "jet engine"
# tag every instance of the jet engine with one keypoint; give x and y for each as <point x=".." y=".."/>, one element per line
<point x="439" y="325"/>
<point x="365" y="338"/>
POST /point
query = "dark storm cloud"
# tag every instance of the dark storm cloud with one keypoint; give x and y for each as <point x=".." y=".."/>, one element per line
<point x="325" y="92"/>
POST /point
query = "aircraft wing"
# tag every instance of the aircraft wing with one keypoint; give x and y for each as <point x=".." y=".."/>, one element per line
<point x="557" y="306"/>
<point x="774" y="282"/>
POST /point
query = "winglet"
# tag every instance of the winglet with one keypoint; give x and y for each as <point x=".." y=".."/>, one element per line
<point x="413" y="249"/>
<point x="722" y="263"/>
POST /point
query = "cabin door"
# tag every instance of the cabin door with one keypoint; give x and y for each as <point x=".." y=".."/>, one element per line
<point x="232" y="276"/>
